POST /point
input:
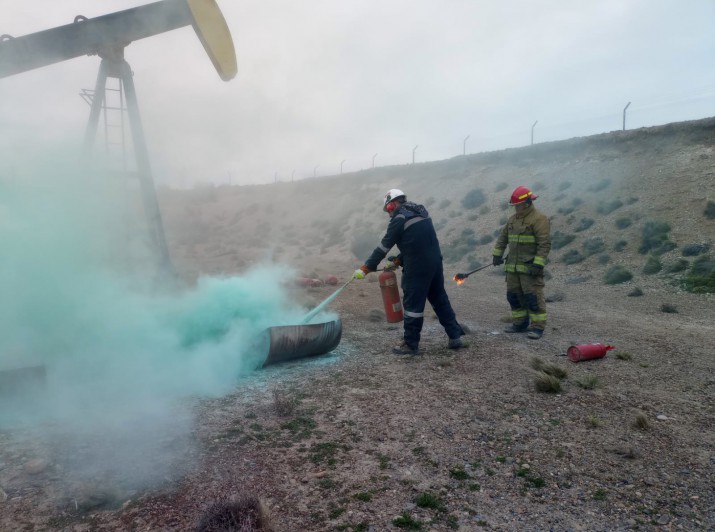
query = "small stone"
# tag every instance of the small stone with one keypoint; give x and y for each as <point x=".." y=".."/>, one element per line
<point x="36" y="466"/>
<point x="525" y="466"/>
<point x="663" y="519"/>
<point x="661" y="417"/>
<point x="3" y="495"/>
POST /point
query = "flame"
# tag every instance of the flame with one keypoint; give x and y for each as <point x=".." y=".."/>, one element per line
<point x="459" y="279"/>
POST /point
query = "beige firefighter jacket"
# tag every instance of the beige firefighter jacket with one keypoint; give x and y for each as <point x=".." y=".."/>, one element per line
<point x="527" y="233"/>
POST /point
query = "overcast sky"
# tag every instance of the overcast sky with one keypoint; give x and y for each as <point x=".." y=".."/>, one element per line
<point x="323" y="82"/>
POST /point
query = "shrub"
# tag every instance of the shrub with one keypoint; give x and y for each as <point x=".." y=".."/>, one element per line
<point x="609" y="206"/>
<point x="600" y="185"/>
<point x="668" y="308"/>
<point x="631" y="200"/>
<point x="654" y="238"/>
<point x="617" y="275"/>
<point x="559" y="239"/>
<point x="501" y="186"/>
<point x="484" y="209"/>
<point x="571" y="257"/>
<point x="604" y="258"/>
<point x="564" y="185"/>
<point x="405" y="520"/>
<point x="701" y="278"/>
<point x="444" y="203"/>
<point x="679" y="265"/>
<point x="709" y="211"/>
<point x="636" y="292"/>
<point x="584" y="224"/>
<point x="484" y="239"/>
<point x="577" y="202"/>
<point x="652" y="266"/>
<point x="472" y="217"/>
<point x="457" y="250"/>
<point x="428" y="500"/>
<point x="620" y="245"/>
<point x="565" y="210"/>
<point x="691" y="250"/>
<point x="467" y="232"/>
<point x="503" y="220"/>
<point x="591" y="246"/>
<point x="473" y="199"/>
<point x="622" y="223"/>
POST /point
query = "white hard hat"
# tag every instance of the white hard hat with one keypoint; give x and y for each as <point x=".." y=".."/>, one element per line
<point x="391" y="195"/>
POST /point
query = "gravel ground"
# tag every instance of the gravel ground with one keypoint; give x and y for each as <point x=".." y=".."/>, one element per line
<point x="361" y="439"/>
<point x="445" y="441"/>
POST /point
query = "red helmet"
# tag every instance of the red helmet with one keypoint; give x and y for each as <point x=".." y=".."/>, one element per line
<point x="521" y="194"/>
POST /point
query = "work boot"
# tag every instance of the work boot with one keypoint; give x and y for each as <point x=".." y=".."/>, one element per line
<point x="456" y="343"/>
<point x="514" y="328"/>
<point x="535" y="334"/>
<point x="404" y="349"/>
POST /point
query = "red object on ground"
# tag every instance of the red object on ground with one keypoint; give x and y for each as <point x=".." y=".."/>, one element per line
<point x="331" y="279"/>
<point x="587" y="351"/>
<point x="391" y="297"/>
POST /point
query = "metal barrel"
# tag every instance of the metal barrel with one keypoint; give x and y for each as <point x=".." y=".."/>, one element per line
<point x="291" y="342"/>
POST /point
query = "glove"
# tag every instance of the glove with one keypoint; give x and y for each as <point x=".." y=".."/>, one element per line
<point x="535" y="270"/>
<point x="392" y="263"/>
<point x="496" y="261"/>
<point x="361" y="272"/>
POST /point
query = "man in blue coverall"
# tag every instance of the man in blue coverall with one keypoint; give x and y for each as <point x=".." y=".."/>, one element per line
<point x="411" y="230"/>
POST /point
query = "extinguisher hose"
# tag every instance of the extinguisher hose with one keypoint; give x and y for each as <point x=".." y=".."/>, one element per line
<point x="324" y="304"/>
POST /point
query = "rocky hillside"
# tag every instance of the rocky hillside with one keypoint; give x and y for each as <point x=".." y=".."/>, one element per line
<point x="641" y="199"/>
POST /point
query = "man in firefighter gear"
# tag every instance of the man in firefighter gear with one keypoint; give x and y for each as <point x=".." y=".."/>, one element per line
<point x="527" y="234"/>
<point x="411" y="230"/>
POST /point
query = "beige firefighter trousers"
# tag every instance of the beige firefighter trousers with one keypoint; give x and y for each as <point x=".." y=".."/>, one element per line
<point x="525" y="294"/>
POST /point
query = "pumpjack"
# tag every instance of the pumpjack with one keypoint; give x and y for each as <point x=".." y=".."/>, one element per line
<point x="107" y="36"/>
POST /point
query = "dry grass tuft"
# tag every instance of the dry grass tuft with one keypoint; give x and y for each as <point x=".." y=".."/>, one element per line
<point x="641" y="422"/>
<point x="244" y="514"/>
<point x="587" y="382"/>
<point x="283" y="403"/>
<point x="538" y="364"/>
<point x="546" y="383"/>
<point x="594" y="422"/>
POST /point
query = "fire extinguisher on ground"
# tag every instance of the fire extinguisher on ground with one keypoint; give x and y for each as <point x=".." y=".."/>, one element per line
<point x="391" y="296"/>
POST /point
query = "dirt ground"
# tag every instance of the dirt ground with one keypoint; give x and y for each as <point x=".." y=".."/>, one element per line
<point x="361" y="439"/>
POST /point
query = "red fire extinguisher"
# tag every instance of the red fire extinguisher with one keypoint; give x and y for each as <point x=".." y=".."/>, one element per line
<point x="391" y="296"/>
<point x="587" y="351"/>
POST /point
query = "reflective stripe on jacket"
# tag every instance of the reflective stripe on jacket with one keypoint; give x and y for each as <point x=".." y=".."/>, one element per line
<point x="527" y="233"/>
